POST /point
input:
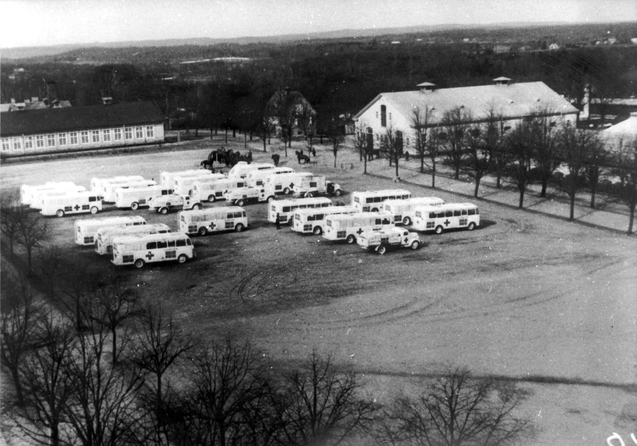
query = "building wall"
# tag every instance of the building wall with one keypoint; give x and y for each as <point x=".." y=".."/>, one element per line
<point x="82" y="139"/>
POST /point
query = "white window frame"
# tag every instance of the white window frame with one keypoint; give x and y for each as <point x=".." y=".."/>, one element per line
<point x="17" y="143"/>
<point x="150" y="131"/>
<point x="139" y="132"/>
<point x="6" y="145"/>
<point x="95" y="136"/>
<point x="39" y="141"/>
<point x="128" y="133"/>
<point x="106" y="135"/>
<point x="28" y="142"/>
<point x="50" y="140"/>
<point x="73" y="138"/>
<point x="62" y="139"/>
<point x="84" y="136"/>
<point x="117" y="134"/>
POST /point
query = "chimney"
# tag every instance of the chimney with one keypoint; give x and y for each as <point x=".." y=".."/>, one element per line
<point x="107" y="100"/>
<point x="502" y="80"/>
<point x="426" y="87"/>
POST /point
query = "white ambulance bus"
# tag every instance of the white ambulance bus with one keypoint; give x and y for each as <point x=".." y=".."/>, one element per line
<point x="446" y="216"/>
<point x="86" y="229"/>
<point x="348" y="226"/>
<point x="242" y="168"/>
<point x="312" y="221"/>
<point x="110" y="188"/>
<point x="205" y="221"/>
<point x="168" y="178"/>
<point x="213" y="191"/>
<point x="141" y="249"/>
<point x="97" y="184"/>
<point x="73" y="203"/>
<point x="105" y="235"/>
<point x="256" y="178"/>
<point x="135" y="197"/>
<point x="283" y="183"/>
<point x="371" y="200"/>
<point x="403" y="210"/>
<point x="285" y="208"/>
<point x="183" y="185"/>
<point x="27" y="191"/>
<point x="41" y="196"/>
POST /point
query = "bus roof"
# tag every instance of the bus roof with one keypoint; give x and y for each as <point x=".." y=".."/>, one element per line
<point x="447" y="206"/>
<point x="213" y="210"/>
<point x="415" y="201"/>
<point x="329" y="210"/>
<point x="149" y="237"/>
<point x="293" y="201"/>
<point x="107" y="231"/>
<point x="359" y="215"/>
<point x="383" y="192"/>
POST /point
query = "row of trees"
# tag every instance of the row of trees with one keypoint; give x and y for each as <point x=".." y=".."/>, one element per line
<point x="537" y="150"/>
<point x="96" y="364"/>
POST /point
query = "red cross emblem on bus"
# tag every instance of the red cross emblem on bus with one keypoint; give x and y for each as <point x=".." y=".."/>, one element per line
<point x="77" y="207"/>
<point x="212" y="225"/>
<point x="360" y="231"/>
<point x="447" y="222"/>
<point x="150" y="255"/>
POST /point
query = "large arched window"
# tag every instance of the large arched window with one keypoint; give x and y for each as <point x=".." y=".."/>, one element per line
<point x="383" y="116"/>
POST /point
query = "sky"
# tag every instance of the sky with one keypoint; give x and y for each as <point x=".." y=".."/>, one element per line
<point x="28" y="23"/>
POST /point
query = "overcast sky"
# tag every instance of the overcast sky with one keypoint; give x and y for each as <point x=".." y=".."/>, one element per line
<point x="53" y="22"/>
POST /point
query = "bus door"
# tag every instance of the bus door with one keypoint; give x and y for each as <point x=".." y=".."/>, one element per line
<point x="156" y="251"/>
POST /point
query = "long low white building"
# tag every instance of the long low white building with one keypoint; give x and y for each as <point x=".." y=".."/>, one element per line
<point x="80" y="128"/>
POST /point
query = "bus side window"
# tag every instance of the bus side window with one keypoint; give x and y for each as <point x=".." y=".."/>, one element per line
<point x="162" y="245"/>
<point x="472" y="212"/>
<point x="286" y="209"/>
<point x="319" y="217"/>
<point x="151" y="245"/>
<point x="440" y="215"/>
<point x="464" y="212"/>
<point x="243" y="213"/>
<point x="230" y="215"/>
<point x="188" y="242"/>
<point x="449" y="214"/>
<point x="181" y="242"/>
<point x="432" y="215"/>
<point x="457" y="213"/>
<point x="377" y="221"/>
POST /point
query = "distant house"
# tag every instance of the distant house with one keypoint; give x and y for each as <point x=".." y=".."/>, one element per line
<point x="621" y="133"/>
<point x="554" y="46"/>
<point x="289" y="111"/>
<point x="513" y="102"/>
<point x="78" y="128"/>
<point x="501" y="49"/>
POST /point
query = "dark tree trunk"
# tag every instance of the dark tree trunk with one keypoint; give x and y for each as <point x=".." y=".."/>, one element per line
<point x="475" y="191"/>
<point x="521" y="203"/>
<point x="632" y="219"/>
<point x="545" y="183"/>
<point x="572" y="208"/>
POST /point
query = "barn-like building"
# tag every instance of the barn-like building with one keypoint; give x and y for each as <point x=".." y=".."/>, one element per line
<point x="79" y="128"/>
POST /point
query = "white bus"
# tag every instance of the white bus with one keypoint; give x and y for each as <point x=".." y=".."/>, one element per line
<point x="141" y="249"/>
<point x="403" y="210"/>
<point x="73" y="203"/>
<point x="370" y="201"/>
<point x="105" y="235"/>
<point x="110" y="188"/>
<point x="205" y="191"/>
<point x="183" y="184"/>
<point x="348" y="226"/>
<point x="283" y="183"/>
<point x="97" y="184"/>
<point x="168" y="178"/>
<point x="308" y="221"/>
<point x="205" y="221"/>
<point x="41" y="196"/>
<point x="27" y="191"/>
<point x="242" y="168"/>
<point x="134" y="197"/>
<point x="285" y="208"/>
<point x="86" y="229"/>
<point x="446" y="216"/>
<point x="256" y="178"/>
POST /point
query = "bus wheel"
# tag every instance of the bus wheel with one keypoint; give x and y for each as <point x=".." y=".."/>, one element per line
<point x="471" y="226"/>
<point x="134" y="205"/>
<point x="350" y="239"/>
<point x="139" y="263"/>
<point x="407" y="221"/>
<point x="309" y="195"/>
<point x="163" y="211"/>
<point x="438" y="230"/>
<point x="202" y="231"/>
<point x="196" y="207"/>
<point x="374" y="210"/>
<point x="317" y="230"/>
<point x="60" y="213"/>
<point x="94" y="210"/>
<point x="415" y="245"/>
<point x="182" y="258"/>
<point x="381" y="250"/>
<point x="211" y="198"/>
<point x="338" y="192"/>
<point x="286" y="191"/>
<point x="270" y="198"/>
<point x="240" y="203"/>
<point x="239" y="227"/>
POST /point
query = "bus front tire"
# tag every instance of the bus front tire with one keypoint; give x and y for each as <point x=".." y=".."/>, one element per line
<point x="439" y="230"/>
<point x="211" y="198"/>
<point x="60" y="213"/>
<point x="202" y="231"/>
<point x="134" y="205"/>
<point x="286" y="191"/>
<point x="317" y="230"/>
<point x="197" y="207"/>
<point x="471" y="226"/>
<point x="350" y="239"/>
<point x="182" y="258"/>
<point x="415" y="245"/>
<point x="337" y="192"/>
<point x="309" y="195"/>
<point x="270" y="198"/>
<point x="163" y="211"/>
<point x="239" y="227"/>
<point x="407" y="221"/>
<point x="139" y="263"/>
<point x="381" y="250"/>
<point x="239" y="203"/>
<point x="94" y="210"/>
<point x="374" y="210"/>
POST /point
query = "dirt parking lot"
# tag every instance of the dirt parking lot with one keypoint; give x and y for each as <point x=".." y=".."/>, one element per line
<point x="538" y="300"/>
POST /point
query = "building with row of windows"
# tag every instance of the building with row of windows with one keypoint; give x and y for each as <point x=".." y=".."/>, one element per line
<point x="80" y="128"/>
<point x="510" y="102"/>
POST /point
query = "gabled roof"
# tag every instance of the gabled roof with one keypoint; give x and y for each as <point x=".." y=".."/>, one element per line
<point x="51" y="120"/>
<point x="512" y="101"/>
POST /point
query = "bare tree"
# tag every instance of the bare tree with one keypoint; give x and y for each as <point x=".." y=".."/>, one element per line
<point x="458" y="410"/>
<point x="597" y="159"/>
<point x="336" y="137"/>
<point x="32" y="231"/>
<point x="518" y="143"/>
<point x="322" y="406"/>
<point x="575" y="148"/>
<point x="306" y="118"/>
<point x="625" y="160"/>
<point x="434" y="143"/>
<point x="420" y="122"/>
<point x="455" y="123"/>
<point x="478" y="162"/>
<point x="12" y="213"/>
<point x="544" y="135"/>
<point x="360" y="145"/>
<point x="494" y="140"/>
<point x="392" y="147"/>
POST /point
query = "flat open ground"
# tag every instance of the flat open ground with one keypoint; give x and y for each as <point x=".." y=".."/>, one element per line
<point x="534" y="299"/>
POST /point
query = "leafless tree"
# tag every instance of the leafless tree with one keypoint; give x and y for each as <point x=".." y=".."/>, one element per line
<point x="597" y="160"/>
<point x="518" y="144"/>
<point x="360" y="145"/>
<point x="392" y="147"/>
<point x="458" y="410"/>
<point x="32" y="231"/>
<point x="420" y="122"/>
<point x="336" y="138"/>
<point x="455" y="123"/>
<point x="575" y="148"/>
<point x="625" y="160"/>
<point x="478" y="161"/>
<point x="544" y="134"/>
<point x="322" y="406"/>
<point x="12" y="213"/>
<point x="434" y="143"/>
<point x="494" y="140"/>
<point x="306" y="117"/>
